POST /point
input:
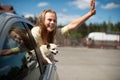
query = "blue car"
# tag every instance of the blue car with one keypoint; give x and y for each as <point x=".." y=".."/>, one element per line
<point x="26" y="63"/>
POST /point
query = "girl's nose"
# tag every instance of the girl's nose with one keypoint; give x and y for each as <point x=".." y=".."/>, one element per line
<point x="53" y="21"/>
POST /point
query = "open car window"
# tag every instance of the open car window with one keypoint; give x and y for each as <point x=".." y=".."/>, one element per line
<point x="18" y="60"/>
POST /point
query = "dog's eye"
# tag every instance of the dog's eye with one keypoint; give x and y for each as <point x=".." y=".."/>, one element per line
<point x="53" y="49"/>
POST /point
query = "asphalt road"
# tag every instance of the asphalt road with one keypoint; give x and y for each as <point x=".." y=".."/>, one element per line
<point x="88" y="64"/>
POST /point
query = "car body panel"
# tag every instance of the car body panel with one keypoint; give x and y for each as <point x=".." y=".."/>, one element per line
<point x="51" y="73"/>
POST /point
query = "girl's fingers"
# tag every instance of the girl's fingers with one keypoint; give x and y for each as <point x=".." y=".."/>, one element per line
<point x="92" y="5"/>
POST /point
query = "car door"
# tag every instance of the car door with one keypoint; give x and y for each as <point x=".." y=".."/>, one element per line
<point x="22" y="65"/>
<point x="17" y="61"/>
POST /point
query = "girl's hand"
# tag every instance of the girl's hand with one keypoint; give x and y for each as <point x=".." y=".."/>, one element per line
<point x="92" y="7"/>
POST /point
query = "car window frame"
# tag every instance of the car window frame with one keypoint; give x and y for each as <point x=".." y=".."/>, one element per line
<point x="7" y="25"/>
<point x="37" y="50"/>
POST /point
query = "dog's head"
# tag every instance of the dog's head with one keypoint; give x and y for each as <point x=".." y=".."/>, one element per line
<point x="52" y="48"/>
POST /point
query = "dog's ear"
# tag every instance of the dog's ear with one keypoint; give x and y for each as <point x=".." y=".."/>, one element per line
<point x="48" y="46"/>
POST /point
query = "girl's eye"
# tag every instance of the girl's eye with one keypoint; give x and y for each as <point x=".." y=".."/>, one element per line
<point x="54" y="21"/>
<point x="50" y="19"/>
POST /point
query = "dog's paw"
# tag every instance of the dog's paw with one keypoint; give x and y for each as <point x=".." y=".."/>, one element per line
<point x="50" y="63"/>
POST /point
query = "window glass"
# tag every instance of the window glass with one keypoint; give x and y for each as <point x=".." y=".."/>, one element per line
<point x="18" y="60"/>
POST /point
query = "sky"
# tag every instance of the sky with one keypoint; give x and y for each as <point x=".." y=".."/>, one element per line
<point x="68" y="10"/>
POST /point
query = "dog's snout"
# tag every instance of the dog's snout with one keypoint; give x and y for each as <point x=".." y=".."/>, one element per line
<point x="56" y="52"/>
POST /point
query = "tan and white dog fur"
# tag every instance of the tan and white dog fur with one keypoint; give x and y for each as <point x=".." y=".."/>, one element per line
<point x="48" y="51"/>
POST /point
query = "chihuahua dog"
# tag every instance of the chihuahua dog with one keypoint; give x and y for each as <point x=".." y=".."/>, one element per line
<point x="48" y="51"/>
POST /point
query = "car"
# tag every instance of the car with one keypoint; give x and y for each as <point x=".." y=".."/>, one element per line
<point x="22" y="65"/>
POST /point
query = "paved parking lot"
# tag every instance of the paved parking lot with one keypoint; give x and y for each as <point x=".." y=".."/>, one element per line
<point x="88" y="64"/>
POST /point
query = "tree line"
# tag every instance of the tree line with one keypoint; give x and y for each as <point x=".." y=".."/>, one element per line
<point x="84" y="29"/>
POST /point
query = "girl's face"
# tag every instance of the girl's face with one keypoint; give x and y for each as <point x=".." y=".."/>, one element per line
<point x="50" y="21"/>
<point x="16" y="37"/>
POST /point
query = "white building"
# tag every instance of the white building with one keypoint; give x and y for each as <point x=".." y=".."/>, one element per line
<point x="101" y="39"/>
<point x="101" y="36"/>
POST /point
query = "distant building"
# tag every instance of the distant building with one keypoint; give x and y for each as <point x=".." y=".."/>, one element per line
<point x="102" y="36"/>
<point x="7" y="8"/>
<point x="103" y="39"/>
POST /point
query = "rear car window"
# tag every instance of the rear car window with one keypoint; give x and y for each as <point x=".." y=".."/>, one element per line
<point x="19" y="65"/>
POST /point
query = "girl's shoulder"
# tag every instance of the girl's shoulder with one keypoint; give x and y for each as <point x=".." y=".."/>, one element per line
<point x="36" y="31"/>
<point x="36" y="28"/>
<point x="64" y="29"/>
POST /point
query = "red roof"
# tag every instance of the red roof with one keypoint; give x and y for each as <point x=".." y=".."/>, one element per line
<point x="7" y="8"/>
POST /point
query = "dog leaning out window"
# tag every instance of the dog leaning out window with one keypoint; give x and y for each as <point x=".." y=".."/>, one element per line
<point x="48" y="51"/>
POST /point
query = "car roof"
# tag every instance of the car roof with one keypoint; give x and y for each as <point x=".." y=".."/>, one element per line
<point x="5" y="16"/>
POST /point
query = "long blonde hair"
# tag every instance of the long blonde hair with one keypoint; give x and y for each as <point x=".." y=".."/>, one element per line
<point x="40" y="22"/>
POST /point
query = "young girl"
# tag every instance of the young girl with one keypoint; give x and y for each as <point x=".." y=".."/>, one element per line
<point x="46" y="27"/>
